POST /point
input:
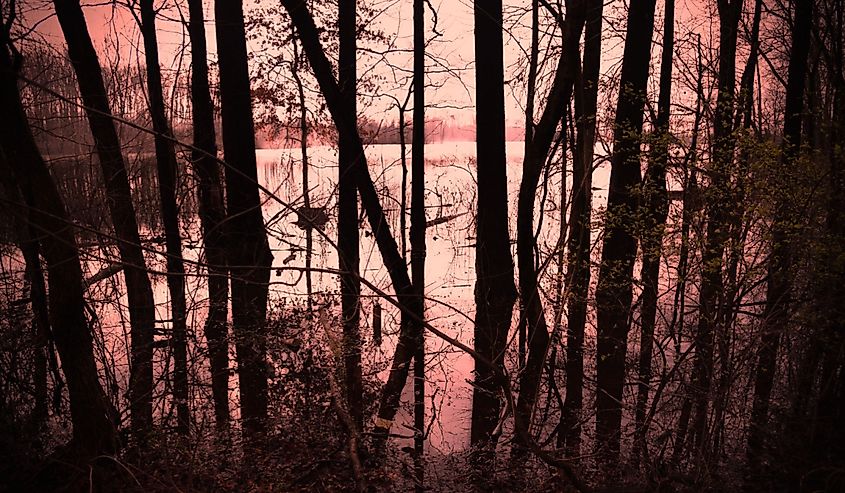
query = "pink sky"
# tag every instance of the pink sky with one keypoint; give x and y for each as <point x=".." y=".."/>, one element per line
<point x="109" y="24"/>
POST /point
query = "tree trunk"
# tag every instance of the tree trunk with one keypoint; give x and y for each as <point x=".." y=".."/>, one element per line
<point x="403" y="200"/>
<point x="167" y="183"/>
<point x="717" y="194"/>
<point x="392" y="258"/>
<point x="34" y="274"/>
<point x="93" y="430"/>
<point x="775" y="316"/>
<point x="347" y="215"/>
<point x="248" y="252"/>
<point x="619" y="249"/>
<point x="529" y="135"/>
<point x="495" y="292"/>
<point x="746" y="101"/>
<point x="86" y="65"/>
<point x="826" y="438"/>
<point x="655" y="211"/>
<point x="737" y="232"/>
<point x="212" y="212"/>
<point x="586" y="100"/>
<point x="690" y="194"/>
<point x="306" y="192"/>
<point x="417" y="238"/>
<point x="531" y="305"/>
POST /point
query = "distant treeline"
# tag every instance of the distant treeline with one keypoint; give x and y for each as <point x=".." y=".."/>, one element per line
<point x="377" y="132"/>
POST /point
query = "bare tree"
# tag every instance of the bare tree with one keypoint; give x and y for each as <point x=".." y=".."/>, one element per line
<point x="248" y="252"/>
<point x="718" y="192"/>
<point x="586" y="98"/>
<point x="495" y="292"/>
<point x="39" y="202"/>
<point x="779" y="288"/>
<point x="347" y="212"/>
<point x="386" y="243"/>
<point x="655" y="210"/>
<point x="417" y="237"/>
<point x="557" y="104"/>
<point x="619" y="248"/>
<point x="167" y="181"/>
<point x="212" y="212"/>
<point x="89" y="76"/>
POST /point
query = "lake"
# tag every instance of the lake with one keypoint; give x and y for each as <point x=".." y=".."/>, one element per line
<point x="450" y="277"/>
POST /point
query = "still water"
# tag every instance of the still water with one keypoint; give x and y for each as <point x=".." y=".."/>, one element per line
<point x="450" y="194"/>
<point x="450" y="254"/>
